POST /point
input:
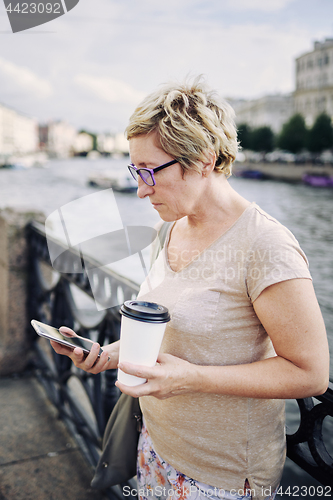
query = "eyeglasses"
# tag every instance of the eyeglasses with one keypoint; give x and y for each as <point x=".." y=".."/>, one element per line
<point x="147" y="174"/>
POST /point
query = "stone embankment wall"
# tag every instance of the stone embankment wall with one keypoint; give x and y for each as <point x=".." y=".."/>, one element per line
<point x="290" y="172"/>
<point x="14" y="320"/>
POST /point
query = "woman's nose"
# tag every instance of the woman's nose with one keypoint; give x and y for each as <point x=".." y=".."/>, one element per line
<point x="143" y="189"/>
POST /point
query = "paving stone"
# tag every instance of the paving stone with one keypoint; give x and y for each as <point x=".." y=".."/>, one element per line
<point x="39" y="460"/>
<point x="58" y="477"/>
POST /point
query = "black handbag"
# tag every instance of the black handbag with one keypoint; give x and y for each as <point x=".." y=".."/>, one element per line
<point x="117" y="463"/>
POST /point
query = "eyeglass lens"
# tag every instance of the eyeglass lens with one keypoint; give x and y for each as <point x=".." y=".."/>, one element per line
<point x="144" y="174"/>
<point x="133" y="172"/>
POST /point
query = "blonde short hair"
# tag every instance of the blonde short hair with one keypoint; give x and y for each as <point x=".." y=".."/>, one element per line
<point x="191" y="121"/>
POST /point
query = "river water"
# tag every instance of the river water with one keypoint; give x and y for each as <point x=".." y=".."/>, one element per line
<point x="306" y="211"/>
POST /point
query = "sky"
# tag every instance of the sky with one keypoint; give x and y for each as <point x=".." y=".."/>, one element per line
<point x="92" y="66"/>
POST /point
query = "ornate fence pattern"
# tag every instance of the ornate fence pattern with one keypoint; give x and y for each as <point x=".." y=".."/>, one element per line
<point x="85" y="401"/>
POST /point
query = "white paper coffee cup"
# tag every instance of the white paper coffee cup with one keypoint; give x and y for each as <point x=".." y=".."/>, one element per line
<point x="142" y="329"/>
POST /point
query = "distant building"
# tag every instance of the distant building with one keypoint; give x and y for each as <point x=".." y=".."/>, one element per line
<point x="269" y="110"/>
<point x="121" y="144"/>
<point x="18" y="132"/>
<point x="83" y="143"/>
<point x="57" y="138"/>
<point x="111" y="144"/>
<point x="314" y="82"/>
<point x="105" y="144"/>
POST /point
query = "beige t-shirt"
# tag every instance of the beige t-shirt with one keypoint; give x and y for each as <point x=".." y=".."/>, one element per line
<point x="216" y="439"/>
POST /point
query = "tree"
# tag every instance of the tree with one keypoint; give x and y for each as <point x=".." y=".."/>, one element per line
<point x="244" y="135"/>
<point x="262" y="139"/>
<point x="321" y="134"/>
<point x="293" y="136"/>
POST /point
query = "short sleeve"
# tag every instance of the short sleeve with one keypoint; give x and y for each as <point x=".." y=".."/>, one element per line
<point x="275" y="256"/>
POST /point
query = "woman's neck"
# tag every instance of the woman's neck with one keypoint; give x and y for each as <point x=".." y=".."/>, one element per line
<point x="219" y="206"/>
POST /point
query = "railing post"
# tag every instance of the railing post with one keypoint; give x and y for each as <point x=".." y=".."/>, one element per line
<point x="14" y="338"/>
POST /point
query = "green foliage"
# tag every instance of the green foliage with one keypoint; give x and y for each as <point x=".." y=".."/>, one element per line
<point x="262" y="139"/>
<point x="244" y="135"/>
<point x="293" y="136"/>
<point x="257" y="139"/>
<point x="321" y="134"/>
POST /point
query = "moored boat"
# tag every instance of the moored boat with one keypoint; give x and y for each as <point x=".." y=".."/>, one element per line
<point x="118" y="181"/>
<point x="318" y="180"/>
<point x="249" y="174"/>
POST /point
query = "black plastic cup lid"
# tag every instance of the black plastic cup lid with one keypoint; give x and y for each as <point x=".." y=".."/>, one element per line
<point x="148" y="312"/>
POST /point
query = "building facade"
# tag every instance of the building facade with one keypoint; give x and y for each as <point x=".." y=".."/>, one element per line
<point x="57" y="138"/>
<point x="18" y="133"/>
<point x="83" y="143"/>
<point x="105" y="144"/>
<point x="314" y="82"/>
<point x="269" y="110"/>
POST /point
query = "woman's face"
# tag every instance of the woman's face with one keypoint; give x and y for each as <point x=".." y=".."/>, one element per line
<point x="174" y="195"/>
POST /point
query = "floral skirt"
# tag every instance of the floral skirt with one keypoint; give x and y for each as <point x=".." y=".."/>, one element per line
<point x="159" y="480"/>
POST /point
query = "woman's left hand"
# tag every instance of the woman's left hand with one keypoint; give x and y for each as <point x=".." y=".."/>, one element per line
<point x="171" y="376"/>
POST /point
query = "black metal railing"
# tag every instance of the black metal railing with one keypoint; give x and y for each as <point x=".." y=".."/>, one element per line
<point x="306" y="446"/>
<point x="85" y="401"/>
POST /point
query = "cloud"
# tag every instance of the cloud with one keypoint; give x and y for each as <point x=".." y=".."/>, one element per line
<point x="259" y="5"/>
<point x="245" y="48"/>
<point x="239" y="60"/>
<point x="109" y="89"/>
<point x="261" y="60"/>
<point x="191" y="8"/>
<point x="25" y="79"/>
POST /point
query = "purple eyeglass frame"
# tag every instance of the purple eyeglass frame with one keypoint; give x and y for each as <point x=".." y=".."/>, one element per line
<point x="134" y="171"/>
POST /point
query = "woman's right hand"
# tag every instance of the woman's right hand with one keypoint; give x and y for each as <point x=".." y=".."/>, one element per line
<point x="92" y="363"/>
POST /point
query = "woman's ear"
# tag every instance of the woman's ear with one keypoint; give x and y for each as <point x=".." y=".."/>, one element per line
<point x="208" y="163"/>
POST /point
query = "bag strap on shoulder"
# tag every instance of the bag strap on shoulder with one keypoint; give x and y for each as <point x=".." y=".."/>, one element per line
<point x="158" y="244"/>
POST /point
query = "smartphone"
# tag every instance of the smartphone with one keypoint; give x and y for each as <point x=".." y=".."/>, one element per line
<point x="51" y="333"/>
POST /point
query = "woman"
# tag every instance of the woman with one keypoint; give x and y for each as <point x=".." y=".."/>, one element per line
<point x="246" y="329"/>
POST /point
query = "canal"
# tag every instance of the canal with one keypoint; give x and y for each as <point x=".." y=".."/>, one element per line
<point x="306" y="211"/>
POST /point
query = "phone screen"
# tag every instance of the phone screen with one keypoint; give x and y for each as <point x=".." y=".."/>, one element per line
<point x="52" y="333"/>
